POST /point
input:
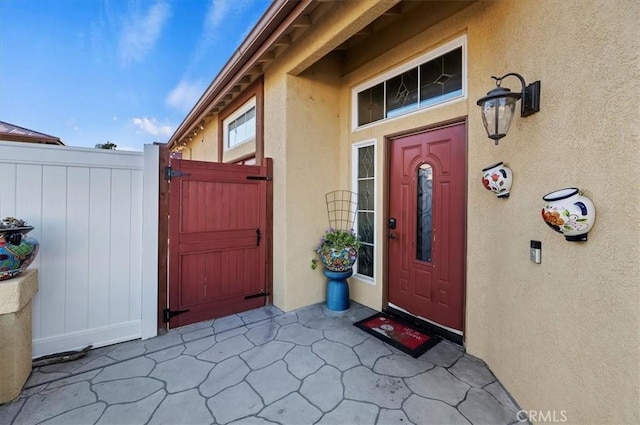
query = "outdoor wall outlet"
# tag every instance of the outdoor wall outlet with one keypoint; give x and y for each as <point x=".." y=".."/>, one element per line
<point x="535" y="253"/>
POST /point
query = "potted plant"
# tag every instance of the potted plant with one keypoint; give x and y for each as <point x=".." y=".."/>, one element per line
<point x="17" y="250"/>
<point x="338" y="250"/>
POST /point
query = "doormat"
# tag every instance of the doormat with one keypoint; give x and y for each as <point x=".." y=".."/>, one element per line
<point x="399" y="334"/>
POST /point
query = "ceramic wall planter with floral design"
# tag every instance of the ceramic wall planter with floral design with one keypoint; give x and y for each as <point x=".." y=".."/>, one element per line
<point x="569" y="212"/>
<point x="17" y="251"/>
<point x="498" y="179"/>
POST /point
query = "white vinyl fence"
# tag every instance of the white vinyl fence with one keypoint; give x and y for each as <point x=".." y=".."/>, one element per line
<point x="95" y="214"/>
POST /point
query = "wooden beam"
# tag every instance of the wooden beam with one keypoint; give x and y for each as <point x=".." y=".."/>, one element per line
<point x="394" y="11"/>
<point x="284" y="41"/>
<point x="368" y="30"/>
<point x="267" y="57"/>
<point x="302" y="22"/>
<point x="255" y="70"/>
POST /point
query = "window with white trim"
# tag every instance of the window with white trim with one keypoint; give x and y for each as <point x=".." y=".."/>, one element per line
<point x="240" y="127"/>
<point x="364" y="161"/>
<point x="437" y="77"/>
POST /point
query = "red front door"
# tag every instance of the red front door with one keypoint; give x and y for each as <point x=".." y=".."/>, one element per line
<point x="427" y="205"/>
<point x="217" y="240"/>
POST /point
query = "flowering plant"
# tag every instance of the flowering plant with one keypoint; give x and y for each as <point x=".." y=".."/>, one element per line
<point x="334" y="242"/>
<point x="10" y="223"/>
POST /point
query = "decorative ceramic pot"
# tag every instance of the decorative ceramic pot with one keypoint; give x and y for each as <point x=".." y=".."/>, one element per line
<point x="17" y="251"/>
<point x="569" y="212"/>
<point x="498" y="179"/>
<point x="339" y="260"/>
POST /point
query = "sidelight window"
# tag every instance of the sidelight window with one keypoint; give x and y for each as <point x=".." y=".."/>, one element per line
<point x="364" y="180"/>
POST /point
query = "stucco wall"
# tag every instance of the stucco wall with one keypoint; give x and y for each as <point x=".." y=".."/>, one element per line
<point x="204" y="146"/>
<point x="303" y="136"/>
<point x="562" y="335"/>
<point x="307" y="147"/>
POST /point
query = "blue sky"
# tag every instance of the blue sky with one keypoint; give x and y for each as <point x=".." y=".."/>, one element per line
<point x="124" y="71"/>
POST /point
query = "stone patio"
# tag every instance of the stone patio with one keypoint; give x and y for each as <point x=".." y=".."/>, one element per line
<point x="310" y="366"/>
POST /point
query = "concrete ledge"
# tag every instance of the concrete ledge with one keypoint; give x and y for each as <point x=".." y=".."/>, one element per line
<point x="15" y="333"/>
<point x="16" y="292"/>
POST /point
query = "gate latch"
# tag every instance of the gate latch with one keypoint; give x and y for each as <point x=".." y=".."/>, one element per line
<point x="168" y="314"/>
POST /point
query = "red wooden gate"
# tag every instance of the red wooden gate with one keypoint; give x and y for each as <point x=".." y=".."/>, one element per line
<point x="218" y="240"/>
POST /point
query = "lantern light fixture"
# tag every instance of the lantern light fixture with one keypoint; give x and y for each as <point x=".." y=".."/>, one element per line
<point x="499" y="105"/>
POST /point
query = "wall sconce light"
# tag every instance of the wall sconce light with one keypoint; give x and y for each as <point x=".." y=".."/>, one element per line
<point x="499" y="105"/>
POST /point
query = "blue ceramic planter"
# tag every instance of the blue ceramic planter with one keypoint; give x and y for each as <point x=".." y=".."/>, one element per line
<point x="338" y="290"/>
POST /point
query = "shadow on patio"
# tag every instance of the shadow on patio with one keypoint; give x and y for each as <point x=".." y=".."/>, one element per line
<point x="264" y="367"/>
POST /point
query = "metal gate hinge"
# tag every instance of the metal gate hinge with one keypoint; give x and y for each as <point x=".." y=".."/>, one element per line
<point x="168" y="314"/>
<point x="170" y="173"/>
<point x="267" y="178"/>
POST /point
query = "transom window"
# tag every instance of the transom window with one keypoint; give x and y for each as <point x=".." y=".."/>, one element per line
<point x="432" y="79"/>
<point x="240" y="127"/>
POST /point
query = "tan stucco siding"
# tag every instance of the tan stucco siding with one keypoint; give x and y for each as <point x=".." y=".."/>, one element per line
<point x="311" y="147"/>
<point x="242" y="151"/>
<point x="204" y="146"/>
<point x="275" y="137"/>
<point x="562" y="335"/>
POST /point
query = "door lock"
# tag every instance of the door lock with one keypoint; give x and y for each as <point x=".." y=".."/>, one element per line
<point x="392" y="223"/>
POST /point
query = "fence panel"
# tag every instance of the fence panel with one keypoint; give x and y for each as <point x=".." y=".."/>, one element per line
<point x="88" y="212"/>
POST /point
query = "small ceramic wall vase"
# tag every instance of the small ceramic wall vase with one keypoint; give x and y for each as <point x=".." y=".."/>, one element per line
<point x="17" y="251"/>
<point x="498" y="179"/>
<point x="569" y="212"/>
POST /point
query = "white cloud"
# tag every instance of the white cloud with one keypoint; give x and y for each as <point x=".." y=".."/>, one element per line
<point x="141" y="32"/>
<point x="185" y="95"/>
<point x="218" y="10"/>
<point x="152" y="126"/>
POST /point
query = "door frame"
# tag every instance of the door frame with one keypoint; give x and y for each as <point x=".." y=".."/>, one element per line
<point x="388" y="140"/>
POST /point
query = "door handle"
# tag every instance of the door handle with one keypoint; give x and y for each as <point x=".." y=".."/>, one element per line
<point x="258" y="237"/>
<point x="392" y="236"/>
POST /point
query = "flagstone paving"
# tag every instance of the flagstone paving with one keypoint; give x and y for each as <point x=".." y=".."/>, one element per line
<point x="310" y="366"/>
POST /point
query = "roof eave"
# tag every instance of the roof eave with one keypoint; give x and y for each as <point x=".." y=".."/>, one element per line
<point x="272" y="21"/>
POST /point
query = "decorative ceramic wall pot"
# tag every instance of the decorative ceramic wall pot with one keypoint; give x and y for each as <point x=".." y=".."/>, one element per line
<point x="17" y="251"/>
<point x="339" y="260"/>
<point x="569" y="212"/>
<point x="498" y="179"/>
